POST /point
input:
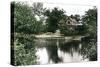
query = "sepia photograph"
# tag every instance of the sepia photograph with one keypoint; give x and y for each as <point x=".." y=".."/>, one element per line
<point x="52" y="33"/>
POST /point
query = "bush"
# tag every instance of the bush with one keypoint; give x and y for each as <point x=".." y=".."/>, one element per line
<point x="24" y="51"/>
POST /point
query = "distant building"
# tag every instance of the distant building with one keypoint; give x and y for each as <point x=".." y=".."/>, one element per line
<point x="73" y="22"/>
<point x="70" y="23"/>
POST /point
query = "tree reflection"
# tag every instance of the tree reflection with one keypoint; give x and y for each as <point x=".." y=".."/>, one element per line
<point x="59" y="50"/>
<point x="69" y="46"/>
<point x="52" y="50"/>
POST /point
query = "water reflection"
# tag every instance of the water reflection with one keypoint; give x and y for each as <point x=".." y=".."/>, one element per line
<point x="70" y="52"/>
<point x="53" y="52"/>
<point x="60" y="51"/>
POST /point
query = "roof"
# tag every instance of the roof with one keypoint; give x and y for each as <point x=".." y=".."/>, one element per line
<point x="71" y="21"/>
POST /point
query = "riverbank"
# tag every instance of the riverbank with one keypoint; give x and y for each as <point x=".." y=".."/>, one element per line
<point x="49" y="36"/>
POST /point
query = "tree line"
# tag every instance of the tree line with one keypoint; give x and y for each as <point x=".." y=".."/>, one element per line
<point x="25" y="20"/>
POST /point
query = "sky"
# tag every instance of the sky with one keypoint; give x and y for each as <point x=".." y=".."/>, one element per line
<point x="70" y="6"/>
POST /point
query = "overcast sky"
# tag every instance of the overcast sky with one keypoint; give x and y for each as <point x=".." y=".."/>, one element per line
<point x="70" y="6"/>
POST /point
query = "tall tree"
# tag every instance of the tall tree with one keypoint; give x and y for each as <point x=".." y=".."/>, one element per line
<point x="24" y="19"/>
<point x="38" y="11"/>
<point x="37" y="8"/>
<point x="53" y="17"/>
<point x="90" y="20"/>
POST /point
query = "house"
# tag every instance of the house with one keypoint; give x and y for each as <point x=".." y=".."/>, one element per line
<point x="70" y="23"/>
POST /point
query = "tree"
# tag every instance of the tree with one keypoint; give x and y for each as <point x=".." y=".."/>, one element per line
<point x="53" y="17"/>
<point x="24" y="50"/>
<point x="76" y="17"/>
<point x="90" y="20"/>
<point x="37" y="8"/>
<point x="38" y="12"/>
<point x="22" y="45"/>
<point x="25" y="20"/>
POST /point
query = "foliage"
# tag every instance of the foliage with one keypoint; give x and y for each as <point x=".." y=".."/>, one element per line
<point x="24" y="50"/>
<point x="24" y="19"/>
<point x="26" y="23"/>
<point x="90" y="20"/>
<point x="53" y="17"/>
<point x="76" y="17"/>
<point x="89" y="48"/>
<point x="90" y="27"/>
<point x="37" y="8"/>
<point x="38" y="11"/>
<point x="69" y="30"/>
<point x="82" y="30"/>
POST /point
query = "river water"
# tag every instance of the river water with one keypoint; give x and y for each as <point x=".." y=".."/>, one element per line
<point x="59" y="50"/>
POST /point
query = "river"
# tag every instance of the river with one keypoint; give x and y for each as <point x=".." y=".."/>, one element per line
<point x="59" y="50"/>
